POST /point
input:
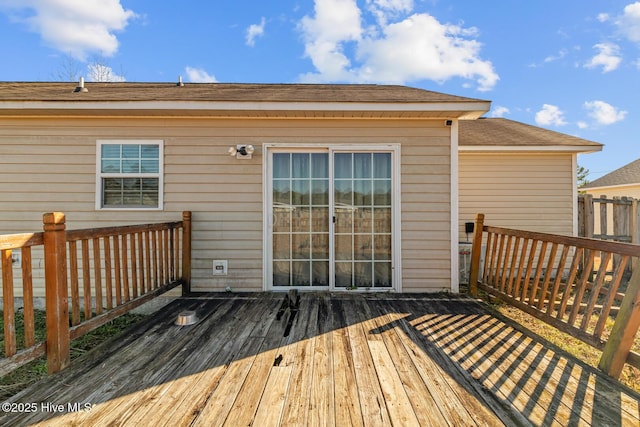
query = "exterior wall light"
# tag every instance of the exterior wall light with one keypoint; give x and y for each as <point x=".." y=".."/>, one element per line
<point x="241" y="151"/>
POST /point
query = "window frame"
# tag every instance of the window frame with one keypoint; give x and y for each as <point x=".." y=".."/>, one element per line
<point x="100" y="175"/>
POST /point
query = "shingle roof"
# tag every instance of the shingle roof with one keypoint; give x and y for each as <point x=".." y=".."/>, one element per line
<point x="503" y="132"/>
<point x="239" y="92"/>
<point x="235" y="100"/>
<point x="628" y="174"/>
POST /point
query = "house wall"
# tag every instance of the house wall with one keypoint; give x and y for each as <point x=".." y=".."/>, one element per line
<point x="617" y="191"/>
<point x="528" y="191"/>
<point x="49" y="165"/>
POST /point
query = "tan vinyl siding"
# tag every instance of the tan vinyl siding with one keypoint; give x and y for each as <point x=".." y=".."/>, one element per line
<point x="49" y="165"/>
<point x="525" y="191"/>
<point x="631" y="190"/>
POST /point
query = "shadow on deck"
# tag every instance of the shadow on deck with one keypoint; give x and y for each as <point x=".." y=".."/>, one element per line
<point x="348" y="360"/>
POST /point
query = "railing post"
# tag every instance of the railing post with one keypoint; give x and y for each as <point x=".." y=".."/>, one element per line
<point x="618" y="346"/>
<point x="56" y="304"/>
<point x="476" y="250"/>
<point x="186" y="252"/>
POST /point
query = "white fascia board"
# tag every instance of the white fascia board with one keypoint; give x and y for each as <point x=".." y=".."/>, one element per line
<point x="531" y="148"/>
<point x="472" y="107"/>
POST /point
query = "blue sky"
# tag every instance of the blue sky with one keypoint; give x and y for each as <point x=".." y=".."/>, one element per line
<point x="572" y="65"/>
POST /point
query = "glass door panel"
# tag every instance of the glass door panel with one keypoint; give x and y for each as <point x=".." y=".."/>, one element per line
<point x="362" y="228"/>
<point x="300" y="183"/>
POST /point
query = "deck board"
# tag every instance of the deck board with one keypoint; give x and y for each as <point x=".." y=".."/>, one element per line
<point x="349" y="359"/>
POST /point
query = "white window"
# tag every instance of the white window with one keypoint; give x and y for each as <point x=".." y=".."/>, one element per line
<point x="129" y="174"/>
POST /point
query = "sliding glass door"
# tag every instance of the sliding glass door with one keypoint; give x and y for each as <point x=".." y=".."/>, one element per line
<point x="331" y="219"/>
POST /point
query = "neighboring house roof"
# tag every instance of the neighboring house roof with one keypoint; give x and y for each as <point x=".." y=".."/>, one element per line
<point x="124" y="96"/>
<point x="487" y="134"/>
<point x="626" y="175"/>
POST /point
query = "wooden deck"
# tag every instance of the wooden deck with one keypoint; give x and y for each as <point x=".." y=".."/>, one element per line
<point x="347" y="360"/>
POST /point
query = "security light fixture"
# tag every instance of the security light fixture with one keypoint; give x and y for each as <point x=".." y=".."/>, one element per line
<point x="241" y="151"/>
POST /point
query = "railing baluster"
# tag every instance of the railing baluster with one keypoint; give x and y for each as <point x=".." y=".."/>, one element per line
<point x="558" y="282"/>
<point x="167" y="251"/>
<point x="75" y="285"/>
<point x="161" y="257"/>
<point x="143" y="289"/>
<point x="86" y="280"/>
<point x="154" y="252"/>
<point x="97" y="272"/>
<point x="27" y="297"/>
<point x="536" y="280"/>
<point x="514" y="263"/>
<point x="527" y="275"/>
<point x="9" y="309"/>
<point x="519" y="275"/>
<point x="108" y="273"/>
<point x="498" y="266"/>
<point x="566" y="294"/>
<point x="581" y="287"/>
<point x="125" y="269"/>
<point x="611" y="295"/>
<point x="594" y="294"/>
<point x="117" y="271"/>
<point x="548" y="274"/>
<point x="134" y="269"/>
<point x="505" y="273"/>
<point x="147" y="257"/>
<point x="487" y="259"/>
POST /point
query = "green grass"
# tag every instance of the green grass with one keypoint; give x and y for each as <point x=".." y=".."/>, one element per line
<point x="28" y="374"/>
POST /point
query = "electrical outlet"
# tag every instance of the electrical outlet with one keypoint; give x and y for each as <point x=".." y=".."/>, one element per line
<point x="220" y="267"/>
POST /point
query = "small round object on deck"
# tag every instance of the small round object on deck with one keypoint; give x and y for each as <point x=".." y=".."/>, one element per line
<point x="186" y="318"/>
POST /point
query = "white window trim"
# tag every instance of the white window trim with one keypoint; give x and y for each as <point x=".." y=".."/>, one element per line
<point x="267" y="228"/>
<point x="159" y="175"/>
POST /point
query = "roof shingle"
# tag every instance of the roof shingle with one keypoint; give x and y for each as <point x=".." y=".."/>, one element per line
<point x="238" y="92"/>
<point x="504" y="132"/>
<point x="626" y="175"/>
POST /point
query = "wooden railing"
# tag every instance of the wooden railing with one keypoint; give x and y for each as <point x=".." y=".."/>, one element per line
<point x="111" y="271"/>
<point x="571" y="283"/>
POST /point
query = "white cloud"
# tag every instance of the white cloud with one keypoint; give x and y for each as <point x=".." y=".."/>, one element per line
<point x="550" y="115"/>
<point x="384" y="10"/>
<point x="76" y="27"/>
<point x="414" y="48"/>
<point x="604" y="113"/>
<point x="629" y="22"/>
<point x="255" y="30"/>
<point x="199" y="75"/>
<point x="603" y="17"/>
<point x="561" y="54"/>
<point x="335" y="23"/>
<point x="499" y="111"/>
<point x="608" y="57"/>
<point x="582" y="125"/>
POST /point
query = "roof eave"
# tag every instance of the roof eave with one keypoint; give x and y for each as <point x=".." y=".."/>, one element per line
<point x="459" y="110"/>
<point x="583" y="149"/>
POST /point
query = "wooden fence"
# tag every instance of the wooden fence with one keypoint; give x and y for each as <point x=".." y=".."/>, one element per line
<point x="609" y="218"/>
<point x="102" y="273"/>
<point x="551" y="277"/>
